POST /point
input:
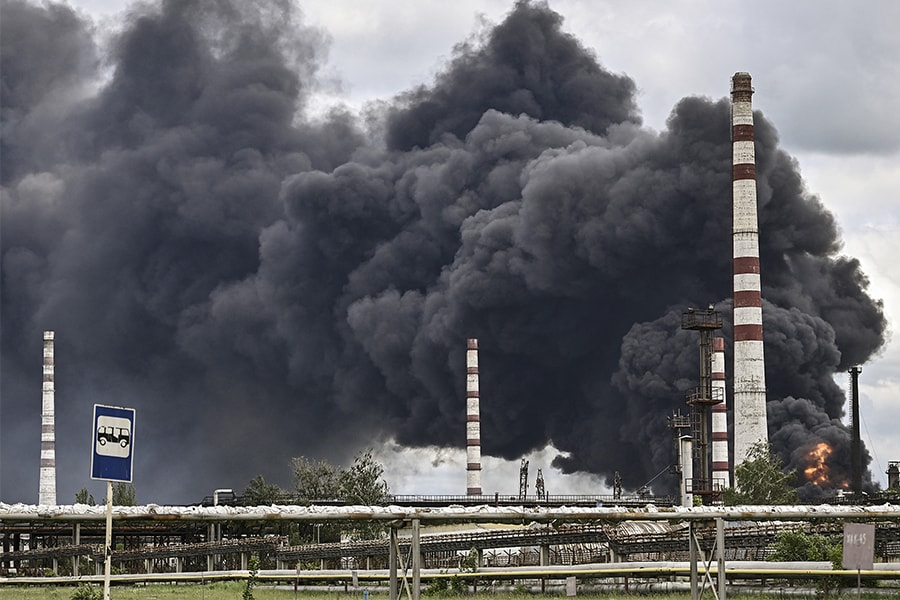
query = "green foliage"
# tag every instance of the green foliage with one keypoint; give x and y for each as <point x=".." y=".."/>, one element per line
<point x="470" y="563"/>
<point x="251" y="580"/>
<point x="82" y="496"/>
<point x="444" y="587"/>
<point x="315" y="480"/>
<point x="798" y="546"/>
<point x="437" y="587"/>
<point x="363" y="482"/>
<point x="123" y="494"/>
<point x="762" y="480"/>
<point x="891" y="495"/>
<point x="458" y="586"/>
<point x="260" y="493"/>
<point x="455" y="586"/>
<point x="86" y="591"/>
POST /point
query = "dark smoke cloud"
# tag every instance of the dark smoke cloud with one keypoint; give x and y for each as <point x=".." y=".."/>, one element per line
<point x="525" y="65"/>
<point x="261" y="285"/>
<point x="48" y="53"/>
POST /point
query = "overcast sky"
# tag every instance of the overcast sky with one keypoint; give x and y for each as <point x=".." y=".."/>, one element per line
<point x="826" y="75"/>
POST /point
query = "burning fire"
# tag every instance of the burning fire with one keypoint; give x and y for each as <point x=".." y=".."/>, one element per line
<point x="817" y="471"/>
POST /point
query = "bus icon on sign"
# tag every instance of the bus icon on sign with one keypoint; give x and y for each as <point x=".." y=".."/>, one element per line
<point x="113" y="436"/>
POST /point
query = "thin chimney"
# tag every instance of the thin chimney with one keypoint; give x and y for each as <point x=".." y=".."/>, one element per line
<point x="855" y="440"/>
<point x="473" y="421"/>
<point x="720" y="472"/>
<point x="750" y="425"/>
<point x="47" y="492"/>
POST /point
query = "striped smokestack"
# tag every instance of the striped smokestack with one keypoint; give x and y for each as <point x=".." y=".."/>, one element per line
<point x="47" y="491"/>
<point x="719" y="421"/>
<point x="473" y="421"/>
<point x="686" y="459"/>
<point x="750" y="424"/>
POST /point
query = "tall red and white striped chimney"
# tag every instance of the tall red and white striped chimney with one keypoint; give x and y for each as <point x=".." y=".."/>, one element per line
<point x="47" y="485"/>
<point x="750" y="424"/>
<point x="720" y="473"/>
<point x="473" y="421"/>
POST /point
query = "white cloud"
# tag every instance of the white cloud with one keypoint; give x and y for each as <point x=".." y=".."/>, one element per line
<point x="861" y="192"/>
<point x="442" y="471"/>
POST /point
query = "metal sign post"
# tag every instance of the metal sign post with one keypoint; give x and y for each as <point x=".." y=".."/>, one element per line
<point x="112" y="440"/>
<point x="107" y="560"/>
<point x="859" y="549"/>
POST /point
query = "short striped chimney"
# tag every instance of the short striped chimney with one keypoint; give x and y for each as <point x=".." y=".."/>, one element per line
<point x="47" y="491"/>
<point x="750" y="424"/>
<point x="719" y="420"/>
<point x="686" y="458"/>
<point x="473" y="421"/>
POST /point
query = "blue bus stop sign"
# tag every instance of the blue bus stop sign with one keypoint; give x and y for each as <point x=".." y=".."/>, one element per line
<point x="113" y="443"/>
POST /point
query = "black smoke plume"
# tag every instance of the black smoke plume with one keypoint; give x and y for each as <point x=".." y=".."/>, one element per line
<point x="260" y="284"/>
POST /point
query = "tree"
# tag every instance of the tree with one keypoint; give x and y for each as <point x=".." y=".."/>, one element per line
<point x="363" y="482"/>
<point x="794" y="546"/>
<point x="260" y="493"/>
<point x="797" y="546"/>
<point x="315" y="480"/>
<point x="123" y="494"/>
<point x="82" y="496"/>
<point x="252" y="579"/>
<point x="762" y="479"/>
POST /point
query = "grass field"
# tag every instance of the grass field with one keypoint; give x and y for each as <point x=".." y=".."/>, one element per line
<point x="234" y="591"/>
<point x="231" y="590"/>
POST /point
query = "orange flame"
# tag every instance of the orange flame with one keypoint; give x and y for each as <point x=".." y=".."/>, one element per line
<point x="817" y="471"/>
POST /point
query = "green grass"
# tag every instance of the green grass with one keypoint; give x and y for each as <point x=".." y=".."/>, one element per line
<point x="232" y="590"/>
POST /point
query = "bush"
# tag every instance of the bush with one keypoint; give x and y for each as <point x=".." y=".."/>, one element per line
<point x="800" y="546"/>
<point x="437" y="587"/>
<point x="454" y="586"/>
<point x="251" y="580"/>
<point x="86" y="591"/>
